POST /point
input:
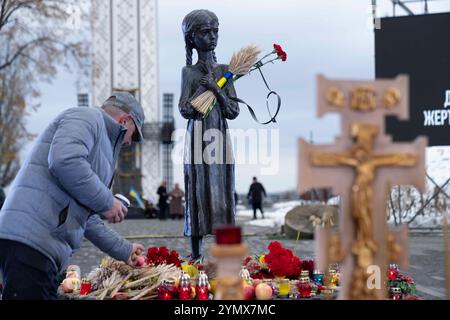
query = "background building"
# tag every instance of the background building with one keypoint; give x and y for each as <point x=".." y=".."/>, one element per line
<point x="125" y="58"/>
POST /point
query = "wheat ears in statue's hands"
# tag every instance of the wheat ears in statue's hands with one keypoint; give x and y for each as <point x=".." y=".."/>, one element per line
<point x="240" y="64"/>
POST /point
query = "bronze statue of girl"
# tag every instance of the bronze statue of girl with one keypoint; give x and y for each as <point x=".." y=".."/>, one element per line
<point x="209" y="181"/>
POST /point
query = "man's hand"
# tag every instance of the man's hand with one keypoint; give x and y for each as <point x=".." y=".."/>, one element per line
<point x="117" y="213"/>
<point x="136" y="251"/>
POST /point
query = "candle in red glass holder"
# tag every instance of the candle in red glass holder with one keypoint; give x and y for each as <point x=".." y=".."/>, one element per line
<point x="202" y="290"/>
<point x="304" y="288"/>
<point x="185" y="289"/>
<point x="167" y="290"/>
<point x="393" y="272"/>
<point x="86" y="287"/>
<point x="184" y="293"/>
<point x="228" y="235"/>
<point x="202" y="293"/>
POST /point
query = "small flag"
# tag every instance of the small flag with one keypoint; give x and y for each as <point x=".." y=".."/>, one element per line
<point x="136" y="196"/>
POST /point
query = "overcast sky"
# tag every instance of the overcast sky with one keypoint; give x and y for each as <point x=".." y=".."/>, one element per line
<point x="331" y="37"/>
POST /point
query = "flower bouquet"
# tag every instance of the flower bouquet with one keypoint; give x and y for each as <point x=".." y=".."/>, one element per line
<point x="282" y="262"/>
<point x="158" y="256"/>
<point x="257" y="267"/>
<point x="278" y="263"/>
<point x="404" y="282"/>
<point x="242" y="63"/>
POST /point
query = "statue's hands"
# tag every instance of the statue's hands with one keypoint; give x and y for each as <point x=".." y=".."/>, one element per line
<point x="209" y="83"/>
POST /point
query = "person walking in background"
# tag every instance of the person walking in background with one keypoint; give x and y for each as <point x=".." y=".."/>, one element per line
<point x="162" y="202"/>
<point x="255" y="194"/>
<point x="2" y="197"/>
<point x="176" y="202"/>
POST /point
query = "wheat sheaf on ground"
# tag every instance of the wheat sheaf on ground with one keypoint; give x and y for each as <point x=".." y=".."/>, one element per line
<point x="240" y="64"/>
<point x="117" y="280"/>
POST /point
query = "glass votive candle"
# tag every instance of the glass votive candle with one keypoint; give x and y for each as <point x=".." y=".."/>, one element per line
<point x="284" y="288"/>
<point x="167" y="290"/>
<point x="185" y="292"/>
<point x="304" y="288"/>
<point x="396" y="293"/>
<point x="228" y="235"/>
<point x="86" y="287"/>
<point x="202" y="292"/>
<point x="318" y="277"/>
<point x="333" y="278"/>
<point x="393" y="272"/>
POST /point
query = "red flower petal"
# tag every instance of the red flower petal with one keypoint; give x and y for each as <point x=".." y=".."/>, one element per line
<point x="280" y="52"/>
<point x="282" y="262"/>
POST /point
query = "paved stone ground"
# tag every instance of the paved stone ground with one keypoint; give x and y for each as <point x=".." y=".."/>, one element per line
<point x="426" y="250"/>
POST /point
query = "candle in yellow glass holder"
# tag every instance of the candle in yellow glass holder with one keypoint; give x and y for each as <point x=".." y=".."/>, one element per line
<point x="284" y="288"/>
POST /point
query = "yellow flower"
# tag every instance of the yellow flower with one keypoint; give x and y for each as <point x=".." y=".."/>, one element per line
<point x="262" y="259"/>
<point x="192" y="271"/>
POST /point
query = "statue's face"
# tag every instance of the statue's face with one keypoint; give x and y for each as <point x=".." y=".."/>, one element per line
<point x="205" y="38"/>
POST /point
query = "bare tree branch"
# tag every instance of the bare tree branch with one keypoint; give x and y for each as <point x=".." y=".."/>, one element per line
<point x="35" y="43"/>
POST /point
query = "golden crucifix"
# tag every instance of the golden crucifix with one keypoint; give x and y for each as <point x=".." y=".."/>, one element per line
<point x="358" y="167"/>
<point x="365" y="162"/>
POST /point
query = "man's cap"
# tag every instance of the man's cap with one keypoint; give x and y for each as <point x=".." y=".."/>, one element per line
<point x="128" y="103"/>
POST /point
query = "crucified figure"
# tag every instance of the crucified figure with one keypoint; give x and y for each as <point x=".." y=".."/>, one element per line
<point x="362" y="158"/>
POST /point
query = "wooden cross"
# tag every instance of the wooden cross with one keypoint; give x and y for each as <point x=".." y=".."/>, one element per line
<point x="361" y="167"/>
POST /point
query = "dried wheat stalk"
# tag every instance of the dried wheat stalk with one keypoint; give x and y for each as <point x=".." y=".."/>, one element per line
<point x="240" y="64"/>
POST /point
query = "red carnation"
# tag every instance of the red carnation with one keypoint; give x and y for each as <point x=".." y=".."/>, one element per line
<point x="164" y="252"/>
<point x="408" y="279"/>
<point x="157" y="256"/>
<point x="275" y="245"/>
<point x="282" y="262"/>
<point x="280" y="52"/>
<point x="174" y="259"/>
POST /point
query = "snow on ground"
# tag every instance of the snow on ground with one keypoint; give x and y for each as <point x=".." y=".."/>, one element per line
<point x="274" y="217"/>
<point x="427" y="221"/>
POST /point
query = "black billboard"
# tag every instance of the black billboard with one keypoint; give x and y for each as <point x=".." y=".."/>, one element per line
<point x="420" y="47"/>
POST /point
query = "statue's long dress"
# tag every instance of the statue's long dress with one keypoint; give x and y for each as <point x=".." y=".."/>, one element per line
<point x="209" y="184"/>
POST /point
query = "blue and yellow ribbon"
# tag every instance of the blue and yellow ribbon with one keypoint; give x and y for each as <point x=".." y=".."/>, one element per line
<point x="223" y="81"/>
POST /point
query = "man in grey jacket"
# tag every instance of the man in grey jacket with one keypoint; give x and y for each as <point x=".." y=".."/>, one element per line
<point x="59" y="194"/>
